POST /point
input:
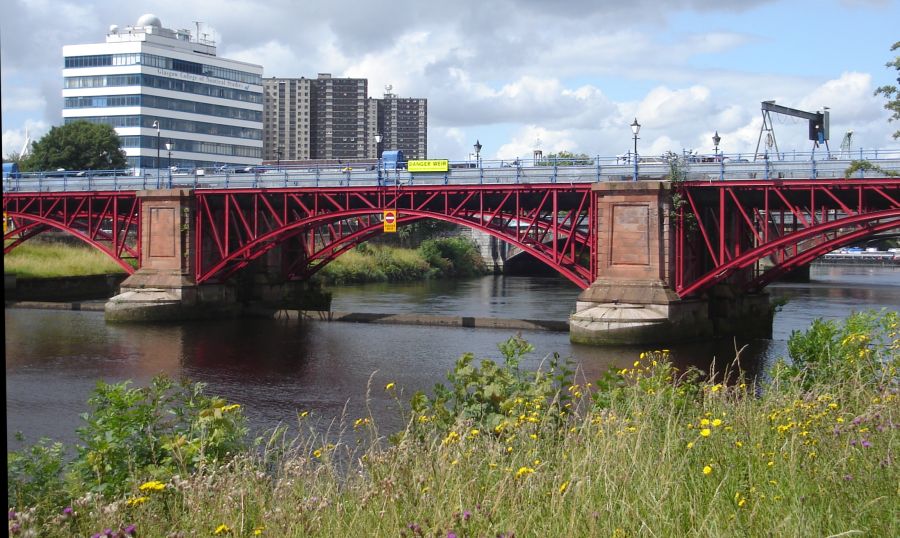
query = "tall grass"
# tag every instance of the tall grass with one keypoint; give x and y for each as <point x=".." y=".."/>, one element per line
<point x="645" y="451"/>
<point x="447" y="257"/>
<point x="48" y="259"/>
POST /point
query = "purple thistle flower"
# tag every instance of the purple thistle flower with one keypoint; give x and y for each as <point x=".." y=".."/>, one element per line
<point x="848" y="477"/>
<point x="14" y="528"/>
<point x="866" y="443"/>
<point x="451" y="534"/>
<point x="130" y="530"/>
<point x="852" y="442"/>
<point x="12" y="515"/>
<point x="466" y="515"/>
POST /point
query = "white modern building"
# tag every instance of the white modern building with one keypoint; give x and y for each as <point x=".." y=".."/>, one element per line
<point x="171" y="100"/>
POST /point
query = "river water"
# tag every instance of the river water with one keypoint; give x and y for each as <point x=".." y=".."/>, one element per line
<point x="277" y="368"/>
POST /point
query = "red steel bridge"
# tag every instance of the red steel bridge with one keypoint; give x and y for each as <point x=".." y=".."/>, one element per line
<point x="743" y="231"/>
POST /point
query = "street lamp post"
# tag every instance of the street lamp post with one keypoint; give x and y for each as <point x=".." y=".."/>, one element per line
<point x="635" y="128"/>
<point x="156" y="125"/>
<point x="169" y="165"/>
<point x="716" y="139"/>
<point x="378" y="139"/>
<point x="278" y="153"/>
<point x="478" y="147"/>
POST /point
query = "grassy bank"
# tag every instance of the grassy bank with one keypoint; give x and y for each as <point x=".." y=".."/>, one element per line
<point x="498" y="451"/>
<point x="38" y="259"/>
<point x="435" y="258"/>
<point x="454" y="257"/>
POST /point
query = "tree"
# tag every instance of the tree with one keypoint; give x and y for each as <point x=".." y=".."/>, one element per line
<point x="566" y="158"/>
<point x="891" y="92"/>
<point x="79" y="145"/>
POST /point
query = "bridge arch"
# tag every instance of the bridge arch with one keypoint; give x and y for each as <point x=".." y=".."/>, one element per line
<point x="369" y="226"/>
<point x="108" y="222"/>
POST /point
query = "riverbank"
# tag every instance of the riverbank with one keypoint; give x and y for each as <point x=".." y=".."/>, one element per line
<point x="500" y="450"/>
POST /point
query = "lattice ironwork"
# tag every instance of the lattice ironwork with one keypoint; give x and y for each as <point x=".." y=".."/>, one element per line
<point x="551" y="222"/>
<point x="749" y="233"/>
<point x="108" y="221"/>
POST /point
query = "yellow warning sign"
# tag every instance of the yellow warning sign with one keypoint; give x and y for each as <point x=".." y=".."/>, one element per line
<point x="433" y="165"/>
<point x="390" y="220"/>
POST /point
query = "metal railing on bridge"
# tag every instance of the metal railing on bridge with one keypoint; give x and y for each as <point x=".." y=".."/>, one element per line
<point x="721" y="167"/>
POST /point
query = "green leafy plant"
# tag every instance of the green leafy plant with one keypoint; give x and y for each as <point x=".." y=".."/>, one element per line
<point x="153" y="431"/>
<point x="864" y="345"/>
<point x="486" y="393"/>
<point x="35" y="474"/>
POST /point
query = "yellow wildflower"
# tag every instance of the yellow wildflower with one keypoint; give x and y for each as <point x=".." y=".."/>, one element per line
<point x="389" y="386"/>
<point x="524" y="471"/>
<point x="231" y="407"/>
<point x="716" y="422"/>
<point x="707" y="470"/>
<point x="705" y="432"/>
<point x="563" y="487"/>
<point x="222" y="529"/>
<point x="153" y="485"/>
<point x="137" y="501"/>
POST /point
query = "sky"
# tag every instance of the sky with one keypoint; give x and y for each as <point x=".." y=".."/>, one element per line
<point x="520" y="75"/>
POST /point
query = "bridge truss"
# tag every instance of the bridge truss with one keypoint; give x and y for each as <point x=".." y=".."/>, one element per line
<point x="551" y="222"/>
<point x="108" y="221"/>
<point x="752" y="232"/>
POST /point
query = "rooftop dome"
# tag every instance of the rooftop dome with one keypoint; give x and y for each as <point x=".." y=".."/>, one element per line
<point x="149" y="20"/>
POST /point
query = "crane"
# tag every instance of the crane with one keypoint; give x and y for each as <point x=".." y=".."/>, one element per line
<point x="818" y="125"/>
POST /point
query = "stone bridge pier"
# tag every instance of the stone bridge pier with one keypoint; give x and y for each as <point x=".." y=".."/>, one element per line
<point x="165" y="286"/>
<point x="633" y="301"/>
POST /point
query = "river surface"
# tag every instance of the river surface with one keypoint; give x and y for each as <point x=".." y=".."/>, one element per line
<point x="277" y="368"/>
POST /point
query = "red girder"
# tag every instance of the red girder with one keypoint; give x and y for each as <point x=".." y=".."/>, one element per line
<point x="108" y="221"/>
<point x="337" y="219"/>
<point x="735" y="225"/>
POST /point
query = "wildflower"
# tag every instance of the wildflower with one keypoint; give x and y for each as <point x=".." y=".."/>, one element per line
<point x="738" y="444"/>
<point x="690" y="444"/>
<point x="707" y="470"/>
<point x="466" y="515"/>
<point x="563" y="487"/>
<point x="137" y="501"/>
<point x="317" y="453"/>
<point x="474" y="432"/>
<point x="705" y="432"/>
<point x="451" y="534"/>
<point x="222" y="529"/>
<point x="704" y="422"/>
<point x="716" y="422"/>
<point x="524" y="471"/>
<point x="231" y="407"/>
<point x="153" y="485"/>
<point x="389" y="386"/>
<point x="451" y="437"/>
<point x="866" y="444"/>
<point x="130" y="530"/>
<point x="302" y="414"/>
<point x="715" y="388"/>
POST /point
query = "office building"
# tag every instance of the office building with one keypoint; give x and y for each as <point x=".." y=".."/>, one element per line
<point x="157" y="87"/>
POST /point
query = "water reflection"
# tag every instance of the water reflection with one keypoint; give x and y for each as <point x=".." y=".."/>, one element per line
<point x="278" y="368"/>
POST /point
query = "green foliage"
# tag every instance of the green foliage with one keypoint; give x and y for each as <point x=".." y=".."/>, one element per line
<point x="866" y="166"/>
<point x="489" y="393"/>
<point x="79" y="145"/>
<point x="891" y="92"/>
<point x="445" y="257"/>
<point x="35" y="474"/>
<point x="566" y="158"/>
<point x="453" y="256"/>
<point x="866" y="344"/>
<point x="158" y="430"/>
<point x="130" y="434"/>
<point x="652" y="374"/>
